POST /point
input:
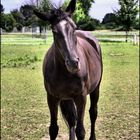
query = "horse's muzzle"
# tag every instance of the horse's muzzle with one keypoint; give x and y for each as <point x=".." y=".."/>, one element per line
<point x="72" y="65"/>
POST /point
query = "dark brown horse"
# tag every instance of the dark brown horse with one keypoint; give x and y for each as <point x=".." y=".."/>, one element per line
<point x="72" y="69"/>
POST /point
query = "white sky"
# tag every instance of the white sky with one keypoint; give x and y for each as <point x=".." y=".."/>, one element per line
<point x="98" y="9"/>
<point x="101" y="7"/>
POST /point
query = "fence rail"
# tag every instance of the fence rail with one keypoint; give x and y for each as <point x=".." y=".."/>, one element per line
<point x="35" y="39"/>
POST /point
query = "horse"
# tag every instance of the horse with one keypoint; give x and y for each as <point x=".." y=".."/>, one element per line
<point x="72" y="69"/>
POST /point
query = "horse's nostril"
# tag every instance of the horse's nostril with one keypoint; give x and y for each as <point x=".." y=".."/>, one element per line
<point x="72" y="63"/>
<point x="76" y="63"/>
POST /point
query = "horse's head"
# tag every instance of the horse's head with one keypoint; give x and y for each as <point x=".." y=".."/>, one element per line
<point x="63" y="28"/>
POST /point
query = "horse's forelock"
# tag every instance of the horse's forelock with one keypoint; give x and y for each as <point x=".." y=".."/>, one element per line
<point x="57" y="15"/>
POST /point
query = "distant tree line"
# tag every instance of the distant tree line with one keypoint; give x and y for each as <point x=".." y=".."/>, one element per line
<point x="124" y="18"/>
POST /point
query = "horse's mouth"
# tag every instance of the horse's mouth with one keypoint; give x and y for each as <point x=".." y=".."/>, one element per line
<point x="72" y="69"/>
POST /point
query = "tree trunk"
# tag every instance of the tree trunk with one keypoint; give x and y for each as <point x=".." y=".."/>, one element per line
<point x="126" y="40"/>
<point x="40" y="30"/>
<point x="45" y="35"/>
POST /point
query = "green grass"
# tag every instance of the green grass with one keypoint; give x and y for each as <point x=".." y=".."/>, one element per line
<point x="24" y="110"/>
<point x="119" y="92"/>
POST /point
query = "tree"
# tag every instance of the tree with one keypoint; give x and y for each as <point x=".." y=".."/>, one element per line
<point x="43" y="5"/>
<point x="85" y="5"/>
<point x="1" y="8"/>
<point x="18" y="18"/>
<point x="109" y="17"/>
<point x="27" y="13"/>
<point x="137" y="24"/>
<point x="79" y="14"/>
<point x="82" y="9"/>
<point x="126" y="15"/>
<point x="88" y="24"/>
<point x="1" y="16"/>
<point x="81" y="17"/>
<point x="8" y="22"/>
<point x="109" y="21"/>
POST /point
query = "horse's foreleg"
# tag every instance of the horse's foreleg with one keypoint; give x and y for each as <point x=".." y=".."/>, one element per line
<point x="93" y="111"/>
<point x="69" y="113"/>
<point x="80" y="104"/>
<point x="53" y="106"/>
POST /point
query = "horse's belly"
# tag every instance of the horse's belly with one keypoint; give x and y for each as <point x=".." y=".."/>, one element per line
<point x="66" y="89"/>
<point x="95" y="77"/>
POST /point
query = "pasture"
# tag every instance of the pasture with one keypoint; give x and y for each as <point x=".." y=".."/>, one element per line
<point x="24" y="110"/>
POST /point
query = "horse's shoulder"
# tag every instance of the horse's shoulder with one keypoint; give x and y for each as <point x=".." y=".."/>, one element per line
<point x="48" y="59"/>
<point x="87" y="35"/>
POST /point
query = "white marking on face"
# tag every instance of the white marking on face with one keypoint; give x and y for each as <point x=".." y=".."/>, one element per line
<point x="62" y="25"/>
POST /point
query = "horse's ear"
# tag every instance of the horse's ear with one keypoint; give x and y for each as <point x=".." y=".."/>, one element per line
<point x="71" y="7"/>
<point x="42" y="15"/>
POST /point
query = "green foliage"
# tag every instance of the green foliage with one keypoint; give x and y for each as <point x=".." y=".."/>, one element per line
<point x="2" y="22"/>
<point x="79" y="14"/>
<point x="82" y="19"/>
<point x="22" y="61"/>
<point x="8" y="22"/>
<point x="137" y="24"/>
<point x="82" y="8"/>
<point x="126" y="15"/>
<point x="109" y="21"/>
<point x="27" y="13"/>
<point x="18" y="18"/>
<point x="88" y="23"/>
<point x="85" y="5"/>
<point x="43" y="5"/>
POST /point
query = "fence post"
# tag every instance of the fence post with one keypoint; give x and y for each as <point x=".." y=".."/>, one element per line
<point x="134" y="39"/>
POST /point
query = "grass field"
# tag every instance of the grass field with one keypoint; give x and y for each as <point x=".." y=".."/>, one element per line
<point x="24" y="110"/>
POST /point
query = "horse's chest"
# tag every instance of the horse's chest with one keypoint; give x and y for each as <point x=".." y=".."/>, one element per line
<point x="66" y="87"/>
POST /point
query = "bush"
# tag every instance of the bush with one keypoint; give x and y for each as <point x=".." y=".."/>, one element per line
<point x="88" y="24"/>
<point x="8" y="22"/>
<point x="137" y="25"/>
<point x="110" y="25"/>
<point x="19" y="26"/>
<point x="22" y="61"/>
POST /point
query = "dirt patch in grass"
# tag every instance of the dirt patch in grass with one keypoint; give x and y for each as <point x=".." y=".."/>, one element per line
<point x="59" y="137"/>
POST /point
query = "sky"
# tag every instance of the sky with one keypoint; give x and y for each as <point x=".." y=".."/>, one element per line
<point x="98" y="9"/>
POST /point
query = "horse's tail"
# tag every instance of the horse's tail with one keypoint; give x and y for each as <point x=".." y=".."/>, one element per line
<point x="69" y="112"/>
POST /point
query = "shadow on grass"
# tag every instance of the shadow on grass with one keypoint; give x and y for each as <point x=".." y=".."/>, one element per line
<point x="110" y="41"/>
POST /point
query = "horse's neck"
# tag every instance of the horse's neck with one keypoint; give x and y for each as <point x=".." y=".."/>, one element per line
<point x="58" y="60"/>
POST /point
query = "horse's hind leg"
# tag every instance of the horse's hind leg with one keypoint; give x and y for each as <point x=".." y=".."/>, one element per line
<point x="93" y="111"/>
<point x="53" y="106"/>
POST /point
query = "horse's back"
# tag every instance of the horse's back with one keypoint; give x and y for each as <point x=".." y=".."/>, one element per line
<point x="86" y="35"/>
